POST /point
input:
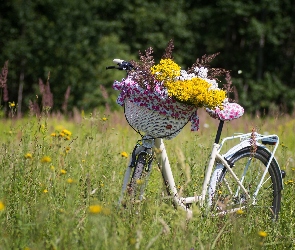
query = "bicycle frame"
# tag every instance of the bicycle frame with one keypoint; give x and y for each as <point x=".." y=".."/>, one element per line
<point x="168" y="176"/>
<point x="215" y="156"/>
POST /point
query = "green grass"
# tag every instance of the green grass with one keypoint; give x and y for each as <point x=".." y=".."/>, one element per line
<point x="47" y="204"/>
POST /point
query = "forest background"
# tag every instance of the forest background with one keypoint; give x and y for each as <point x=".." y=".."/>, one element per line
<point x="75" y="40"/>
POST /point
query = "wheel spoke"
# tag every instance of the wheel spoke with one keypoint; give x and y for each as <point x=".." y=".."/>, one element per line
<point x="229" y="196"/>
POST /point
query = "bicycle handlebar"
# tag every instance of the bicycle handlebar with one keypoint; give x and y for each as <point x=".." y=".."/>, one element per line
<point x="122" y="65"/>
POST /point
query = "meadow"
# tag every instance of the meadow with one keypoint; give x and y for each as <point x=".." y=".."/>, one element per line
<point x="61" y="180"/>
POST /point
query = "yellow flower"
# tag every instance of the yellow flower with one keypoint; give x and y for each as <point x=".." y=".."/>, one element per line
<point x="52" y="167"/>
<point x="166" y="70"/>
<point x="70" y="180"/>
<point x="195" y="91"/>
<point x="2" y="206"/>
<point x="124" y="154"/>
<point x="66" y="132"/>
<point x="139" y="181"/>
<point x="53" y="134"/>
<point x="63" y="171"/>
<point x="239" y="211"/>
<point x="45" y="191"/>
<point x="68" y="149"/>
<point x="104" y="118"/>
<point x="45" y="159"/>
<point x="95" y="209"/>
<point x="61" y="134"/>
<point x="11" y="104"/>
<point x="289" y="182"/>
<point x="262" y="234"/>
<point x="28" y="156"/>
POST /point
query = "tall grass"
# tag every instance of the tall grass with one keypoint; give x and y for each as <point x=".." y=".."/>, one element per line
<point x="61" y="181"/>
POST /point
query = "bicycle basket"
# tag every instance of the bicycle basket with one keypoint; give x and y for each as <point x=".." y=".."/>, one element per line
<point x="152" y="122"/>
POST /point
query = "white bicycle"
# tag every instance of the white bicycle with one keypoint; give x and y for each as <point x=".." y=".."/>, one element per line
<point x="247" y="175"/>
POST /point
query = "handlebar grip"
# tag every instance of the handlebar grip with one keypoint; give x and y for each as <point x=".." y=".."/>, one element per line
<point x="118" y="61"/>
<point x="111" y="67"/>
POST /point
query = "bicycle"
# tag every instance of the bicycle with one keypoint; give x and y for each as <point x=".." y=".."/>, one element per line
<point x="247" y="175"/>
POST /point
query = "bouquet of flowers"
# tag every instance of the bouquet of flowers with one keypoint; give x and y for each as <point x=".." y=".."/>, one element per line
<point x="196" y="86"/>
<point x="172" y="92"/>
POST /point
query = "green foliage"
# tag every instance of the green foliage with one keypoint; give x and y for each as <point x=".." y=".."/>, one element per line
<point x="75" y="41"/>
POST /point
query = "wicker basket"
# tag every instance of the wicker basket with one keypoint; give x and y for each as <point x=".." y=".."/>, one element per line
<point x="151" y="122"/>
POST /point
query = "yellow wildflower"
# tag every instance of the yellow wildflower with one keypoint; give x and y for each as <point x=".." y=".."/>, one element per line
<point x="124" y="154"/>
<point x="95" y="209"/>
<point x="11" y="104"/>
<point x="2" y="206"/>
<point x="68" y="149"/>
<point x="45" y="191"/>
<point x="104" y="118"/>
<point x="195" y="91"/>
<point x="63" y="171"/>
<point x="67" y="132"/>
<point x="262" y="234"/>
<point x="166" y="70"/>
<point x="53" y="134"/>
<point x="239" y="211"/>
<point x="45" y="159"/>
<point x="289" y="182"/>
<point x="139" y="181"/>
<point x="28" y="156"/>
<point x="70" y="180"/>
<point x="52" y="167"/>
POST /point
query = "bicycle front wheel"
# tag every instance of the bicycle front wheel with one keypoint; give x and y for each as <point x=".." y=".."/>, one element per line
<point x="139" y="177"/>
<point x="249" y="168"/>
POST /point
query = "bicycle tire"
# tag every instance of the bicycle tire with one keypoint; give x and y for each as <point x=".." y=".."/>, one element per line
<point x="136" y="185"/>
<point x="269" y="196"/>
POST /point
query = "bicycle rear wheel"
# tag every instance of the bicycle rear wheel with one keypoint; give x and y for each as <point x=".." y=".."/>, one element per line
<point x="249" y="168"/>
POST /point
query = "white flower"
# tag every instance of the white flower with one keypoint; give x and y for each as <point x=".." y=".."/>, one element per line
<point x="185" y="76"/>
<point x="201" y="72"/>
<point x="214" y="84"/>
<point x="225" y="101"/>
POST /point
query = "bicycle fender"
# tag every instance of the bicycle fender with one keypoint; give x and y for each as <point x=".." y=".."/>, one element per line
<point x="236" y="148"/>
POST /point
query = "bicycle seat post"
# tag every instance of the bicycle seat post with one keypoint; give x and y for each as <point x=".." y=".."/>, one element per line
<point x="219" y="130"/>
